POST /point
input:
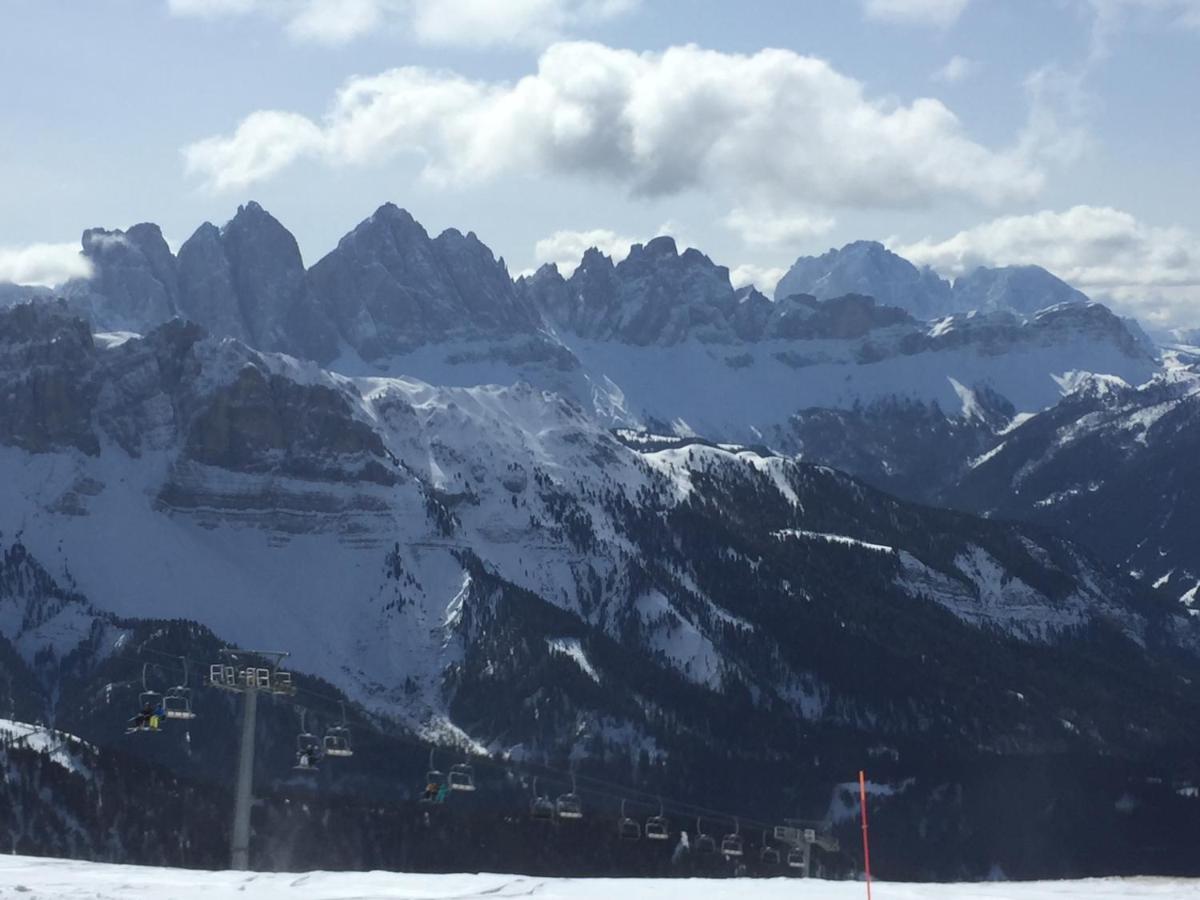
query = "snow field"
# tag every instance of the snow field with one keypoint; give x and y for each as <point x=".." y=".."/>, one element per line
<point x="51" y="879"/>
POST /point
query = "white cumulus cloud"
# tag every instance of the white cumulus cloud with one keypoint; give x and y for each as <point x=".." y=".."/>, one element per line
<point x="765" y="278"/>
<point x="774" y="129"/>
<point x="766" y="228"/>
<point x="43" y="264"/>
<point x="458" y="22"/>
<point x="566" y="248"/>
<point x="956" y="69"/>
<point x="1150" y="271"/>
<point x="940" y="13"/>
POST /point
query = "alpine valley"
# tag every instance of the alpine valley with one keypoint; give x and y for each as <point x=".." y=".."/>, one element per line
<point x="628" y="522"/>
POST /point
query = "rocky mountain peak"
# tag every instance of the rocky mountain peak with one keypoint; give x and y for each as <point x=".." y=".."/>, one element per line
<point x="1023" y="289"/>
<point x="389" y="287"/>
<point x="133" y="271"/>
<point x="869" y="268"/>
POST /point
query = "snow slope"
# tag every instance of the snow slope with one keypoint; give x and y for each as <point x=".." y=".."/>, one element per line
<point x="46" y="879"/>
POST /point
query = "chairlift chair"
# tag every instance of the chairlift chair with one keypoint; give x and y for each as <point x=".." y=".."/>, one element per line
<point x="337" y="742"/>
<point x="337" y="739"/>
<point x="308" y="752"/>
<point x="657" y="827"/>
<point x="769" y="856"/>
<point x="462" y="777"/>
<point x="569" y="806"/>
<point x="177" y="702"/>
<point x="148" y="702"/>
<point x="541" y="807"/>
<point x="795" y="859"/>
<point x="434" y="780"/>
<point x="704" y="843"/>
<point x="627" y="828"/>
<point x="308" y="748"/>
<point x="732" y="845"/>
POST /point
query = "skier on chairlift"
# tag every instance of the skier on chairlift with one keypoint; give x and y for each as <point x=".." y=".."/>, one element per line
<point x="149" y="718"/>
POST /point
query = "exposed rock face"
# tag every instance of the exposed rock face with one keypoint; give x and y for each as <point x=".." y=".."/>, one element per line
<point x="656" y="295"/>
<point x="207" y="292"/>
<point x="134" y="280"/>
<point x="1023" y="289"/>
<point x="867" y="267"/>
<point x="46" y="397"/>
<point x="263" y="423"/>
<point x="390" y="288"/>
<point x="278" y="310"/>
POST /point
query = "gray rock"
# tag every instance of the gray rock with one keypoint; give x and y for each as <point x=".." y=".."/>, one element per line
<point x="390" y="288"/>
<point x="1021" y="289"/>
<point x="869" y="268"/>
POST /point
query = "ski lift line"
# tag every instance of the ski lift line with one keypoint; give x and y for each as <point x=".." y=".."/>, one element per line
<point x="597" y="787"/>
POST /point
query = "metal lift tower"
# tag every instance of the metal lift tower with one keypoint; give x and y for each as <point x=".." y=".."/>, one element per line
<point x="242" y="672"/>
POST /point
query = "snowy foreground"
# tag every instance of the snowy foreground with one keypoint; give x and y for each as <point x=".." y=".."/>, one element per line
<point x="41" y="879"/>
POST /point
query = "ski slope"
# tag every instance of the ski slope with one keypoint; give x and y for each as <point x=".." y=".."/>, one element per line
<point x="49" y="879"/>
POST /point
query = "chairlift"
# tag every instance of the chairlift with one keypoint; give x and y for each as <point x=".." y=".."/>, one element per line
<point x="769" y="856"/>
<point x="795" y="859"/>
<point x="337" y="739"/>
<point x="569" y="806"/>
<point x="177" y="703"/>
<point x="435" y="783"/>
<point x="150" y="709"/>
<point x="462" y="777"/>
<point x="704" y="843"/>
<point x="627" y="828"/>
<point x="657" y="827"/>
<point x="732" y="845"/>
<point x="308" y="749"/>
<point x="541" y="807"/>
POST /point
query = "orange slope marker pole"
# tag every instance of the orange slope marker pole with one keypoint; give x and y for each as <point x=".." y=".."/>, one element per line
<point x="862" y="798"/>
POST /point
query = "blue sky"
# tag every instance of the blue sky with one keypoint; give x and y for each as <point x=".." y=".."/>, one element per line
<point x="961" y="132"/>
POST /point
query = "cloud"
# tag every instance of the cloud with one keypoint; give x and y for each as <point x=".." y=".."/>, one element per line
<point x="773" y="129"/>
<point x="1150" y="271"/>
<point x="1111" y="15"/>
<point x="956" y="69"/>
<point x="265" y="142"/>
<point x="566" y="248"/>
<point x="765" y="278"/>
<point x="458" y="22"/>
<point x="43" y="264"/>
<point x="764" y="228"/>
<point x="939" y="13"/>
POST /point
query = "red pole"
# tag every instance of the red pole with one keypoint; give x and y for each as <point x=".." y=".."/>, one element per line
<point x="862" y="798"/>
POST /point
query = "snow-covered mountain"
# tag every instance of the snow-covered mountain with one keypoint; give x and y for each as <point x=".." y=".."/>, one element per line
<point x="372" y="524"/>
<point x="494" y="566"/>
<point x="867" y="267"/>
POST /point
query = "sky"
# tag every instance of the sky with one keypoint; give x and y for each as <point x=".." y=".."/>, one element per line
<point x="1062" y="133"/>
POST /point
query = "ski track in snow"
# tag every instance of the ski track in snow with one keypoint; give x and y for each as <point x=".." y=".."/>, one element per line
<point x="51" y="879"/>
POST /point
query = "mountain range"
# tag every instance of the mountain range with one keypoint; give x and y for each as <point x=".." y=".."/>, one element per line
<point x="624" y="518"/>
